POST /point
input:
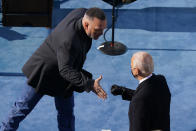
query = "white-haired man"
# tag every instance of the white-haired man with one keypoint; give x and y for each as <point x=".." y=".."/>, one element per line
<point x="149" y="109"/>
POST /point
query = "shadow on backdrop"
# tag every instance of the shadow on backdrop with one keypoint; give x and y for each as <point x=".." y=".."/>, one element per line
<point x="158" y="19"/>
<point x="162" y="19"/>
<point x="10" y="35"/>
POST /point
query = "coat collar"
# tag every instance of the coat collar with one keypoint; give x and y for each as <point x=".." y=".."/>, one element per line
<point x="140" y="81"/>
<point x="144" y="82"/>
<point x="81" y="30"/>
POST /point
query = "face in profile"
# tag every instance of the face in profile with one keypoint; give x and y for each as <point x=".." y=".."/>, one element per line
<point x="95" y="28"/>
<point x="133" y="69"/>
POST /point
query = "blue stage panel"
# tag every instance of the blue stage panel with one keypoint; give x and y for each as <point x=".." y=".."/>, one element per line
<point x="165" y="28"/>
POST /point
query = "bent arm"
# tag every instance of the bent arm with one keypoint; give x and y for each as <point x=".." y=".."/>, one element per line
<point x="127" y="94"/>
<point x="66" y="57"/>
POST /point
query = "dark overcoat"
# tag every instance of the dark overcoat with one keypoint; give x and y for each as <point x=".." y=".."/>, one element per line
<point x="150" y="105"/>
<point x="55" y="68"/>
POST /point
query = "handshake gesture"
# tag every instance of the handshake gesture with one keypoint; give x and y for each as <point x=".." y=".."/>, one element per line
<point x="117" y="90"/>
<point x="98" y="90"/>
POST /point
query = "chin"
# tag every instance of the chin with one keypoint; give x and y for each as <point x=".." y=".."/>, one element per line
<point x="96" y="37"/>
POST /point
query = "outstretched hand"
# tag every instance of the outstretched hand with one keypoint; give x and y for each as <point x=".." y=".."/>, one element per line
<point x="97" y="89"/>
<point x="117" y="90"/>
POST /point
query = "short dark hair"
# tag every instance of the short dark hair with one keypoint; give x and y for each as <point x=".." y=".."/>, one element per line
<point x="96" y="12"/>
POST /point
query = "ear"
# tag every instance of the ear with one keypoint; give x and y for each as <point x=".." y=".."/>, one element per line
<point x="137" y="71"/>
<point x="86" y="24"/>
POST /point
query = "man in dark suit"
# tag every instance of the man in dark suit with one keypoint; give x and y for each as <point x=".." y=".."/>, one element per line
<point x="56" y="69"/>
<point x="149" y="108"/>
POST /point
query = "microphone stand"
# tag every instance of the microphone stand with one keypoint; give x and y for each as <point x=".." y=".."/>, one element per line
<point x="112" y="47"/>
<point x="113" y="24"/>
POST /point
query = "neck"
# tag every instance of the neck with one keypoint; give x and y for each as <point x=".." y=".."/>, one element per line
<point x="142" y="77"/>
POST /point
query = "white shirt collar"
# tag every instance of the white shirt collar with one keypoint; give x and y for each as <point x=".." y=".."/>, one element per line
<point x="140" y="81"/>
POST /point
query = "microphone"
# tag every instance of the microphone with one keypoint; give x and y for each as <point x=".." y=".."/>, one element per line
<point x="127" y="1"/>
<point x="118" y="2"/>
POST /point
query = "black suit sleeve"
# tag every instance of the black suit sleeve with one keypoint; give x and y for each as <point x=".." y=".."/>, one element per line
<point x="127" y="94"/>
<point x="66" y="56"/>
<point x="86" y="75"/>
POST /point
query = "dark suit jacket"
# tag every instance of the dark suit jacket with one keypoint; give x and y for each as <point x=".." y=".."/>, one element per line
<point x="150" y="105"/>
<point x="56" y="66"/>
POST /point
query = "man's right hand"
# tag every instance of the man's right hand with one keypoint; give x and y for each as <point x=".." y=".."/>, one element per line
<point x="97" y="89"/>
<point x="117" y="90"/>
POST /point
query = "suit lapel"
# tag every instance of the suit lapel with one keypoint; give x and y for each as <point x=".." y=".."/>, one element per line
<point x="143" y="84"/>
<point x="138" y="88"/>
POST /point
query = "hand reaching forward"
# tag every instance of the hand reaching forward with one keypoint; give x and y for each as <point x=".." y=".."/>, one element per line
<point x="97" y="89"/>
<point x="117" y="90"/>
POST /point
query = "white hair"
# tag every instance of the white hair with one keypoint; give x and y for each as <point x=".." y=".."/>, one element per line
<point x="144" y="62"/>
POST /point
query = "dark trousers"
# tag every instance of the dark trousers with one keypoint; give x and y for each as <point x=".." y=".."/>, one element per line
<point x="25" y="104"/>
